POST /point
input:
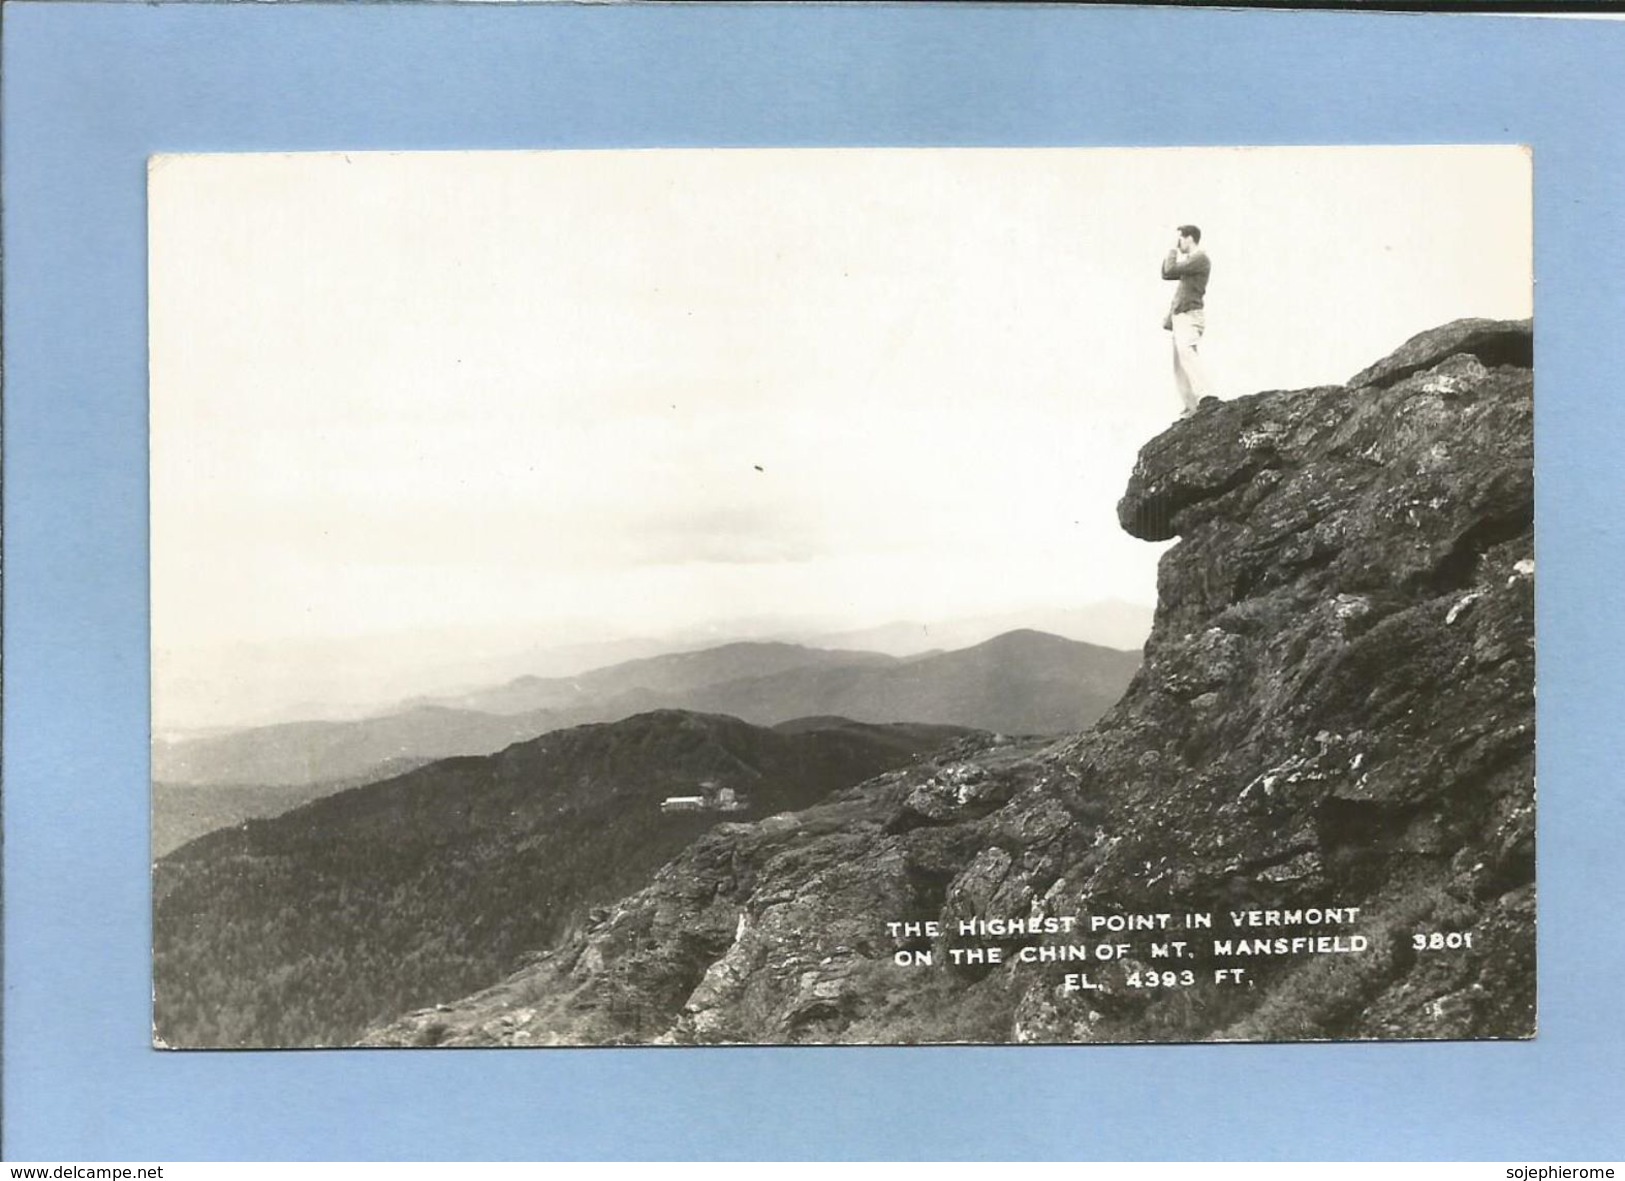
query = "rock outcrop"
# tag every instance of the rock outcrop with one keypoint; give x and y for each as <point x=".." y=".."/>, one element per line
<point x="1328" y="755"/>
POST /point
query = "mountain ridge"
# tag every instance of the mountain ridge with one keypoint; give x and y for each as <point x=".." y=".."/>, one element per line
<point x="780" y="681"/>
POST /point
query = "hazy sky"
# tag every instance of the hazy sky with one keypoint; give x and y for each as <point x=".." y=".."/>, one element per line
<point x="655" y="390"/>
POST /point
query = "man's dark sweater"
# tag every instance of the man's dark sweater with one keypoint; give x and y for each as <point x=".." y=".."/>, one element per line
<point x="1192" y="272"/>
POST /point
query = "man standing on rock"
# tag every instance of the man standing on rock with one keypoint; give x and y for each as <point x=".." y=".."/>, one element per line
<point x="1188" y="263"/>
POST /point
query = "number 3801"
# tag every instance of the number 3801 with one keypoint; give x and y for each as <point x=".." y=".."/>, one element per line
<point x="1442" y="940"/>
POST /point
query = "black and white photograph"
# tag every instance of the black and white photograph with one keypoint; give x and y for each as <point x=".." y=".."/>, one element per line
<point x="804" y="596"/>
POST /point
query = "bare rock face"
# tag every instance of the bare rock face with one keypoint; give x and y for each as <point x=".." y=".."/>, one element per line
<point x="1493" y="342"/>
<point x="1335" y="716"/>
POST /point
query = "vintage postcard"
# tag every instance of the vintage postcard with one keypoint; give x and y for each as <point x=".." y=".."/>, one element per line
<point x="687" y="597"/>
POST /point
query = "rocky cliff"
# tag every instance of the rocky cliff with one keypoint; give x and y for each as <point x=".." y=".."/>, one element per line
<point x="1310" y="816"/>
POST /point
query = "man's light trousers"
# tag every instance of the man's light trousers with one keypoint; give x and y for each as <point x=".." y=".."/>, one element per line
<point x="1189" y="375"/>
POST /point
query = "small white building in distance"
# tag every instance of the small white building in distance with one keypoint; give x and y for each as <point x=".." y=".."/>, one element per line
<point x="711" y="799"/>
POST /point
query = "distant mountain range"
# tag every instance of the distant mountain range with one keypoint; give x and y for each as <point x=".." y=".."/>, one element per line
<point x="303" y="929"/>
<point x="1020" y="682"/>
<point x="363" y="676"/>
<point x="1112" y="623"/>
<point x="658" y="677"/>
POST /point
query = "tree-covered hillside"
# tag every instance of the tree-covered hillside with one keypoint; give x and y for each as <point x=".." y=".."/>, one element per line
<point x="305" y="929"/>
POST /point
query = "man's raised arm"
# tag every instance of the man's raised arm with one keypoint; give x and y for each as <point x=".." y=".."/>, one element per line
<point x="1194" y="263"/>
